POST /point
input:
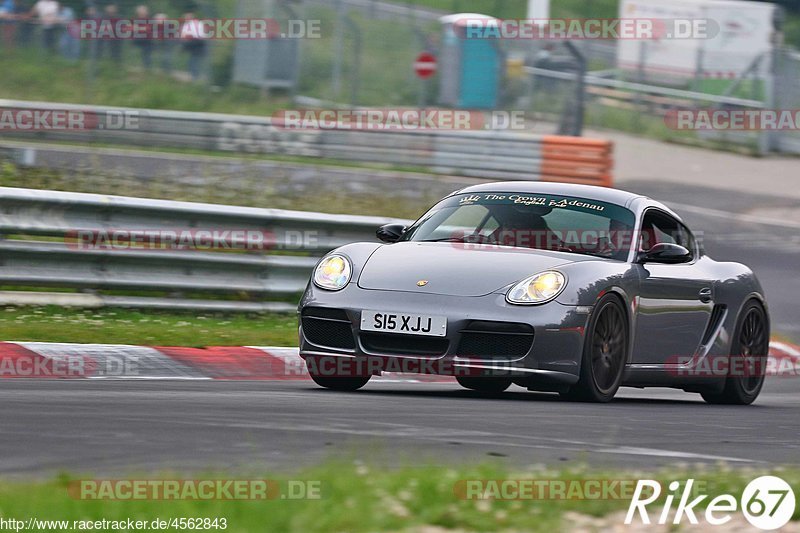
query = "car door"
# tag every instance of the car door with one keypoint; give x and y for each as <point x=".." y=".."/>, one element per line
<point x="675" y="301"/>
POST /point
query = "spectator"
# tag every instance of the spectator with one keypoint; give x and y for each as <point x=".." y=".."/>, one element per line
<point x="69" y="44"/>
<point x="143" y="27"/>
<point x="113" y="44"/>
<point x="25" y="23"/>
<point x="194" y="42"/>
<point x="8" y="23"/>
<point x="8" y="9"/>
<point x="92" y="45"/>
<point x="165" y="46"/>
<point x="47" y="13"/>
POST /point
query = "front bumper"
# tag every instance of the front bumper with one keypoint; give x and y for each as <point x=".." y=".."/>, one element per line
<point x="554" y="356"/>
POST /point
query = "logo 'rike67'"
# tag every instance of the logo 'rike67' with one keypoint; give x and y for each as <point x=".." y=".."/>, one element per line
<point x="767" y="502"/>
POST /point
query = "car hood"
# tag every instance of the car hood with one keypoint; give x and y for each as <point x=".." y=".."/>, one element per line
<point x="453" y="269"/>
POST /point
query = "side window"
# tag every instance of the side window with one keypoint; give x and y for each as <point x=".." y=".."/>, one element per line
<point x="688" y="240"/>
<point x="659" y="227"/>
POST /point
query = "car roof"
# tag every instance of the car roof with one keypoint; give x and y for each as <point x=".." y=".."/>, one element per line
<point x="590" y="192"/>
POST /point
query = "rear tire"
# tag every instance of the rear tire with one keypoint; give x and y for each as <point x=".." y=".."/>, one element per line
<point x="487" y="385"/>
<point x="751" y="342"/>
<point x="605" y="353"/>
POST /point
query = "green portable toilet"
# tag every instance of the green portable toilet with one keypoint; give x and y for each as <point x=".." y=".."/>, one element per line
<point x="471" y="62"/>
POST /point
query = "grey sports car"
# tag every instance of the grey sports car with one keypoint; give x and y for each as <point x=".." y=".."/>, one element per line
<point x="554" y="287"/>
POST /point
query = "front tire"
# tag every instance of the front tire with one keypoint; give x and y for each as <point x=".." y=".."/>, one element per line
<point x="485" y="385"/>
<point x="342" y="384"/>
<point x="751" y="347"/>
<point x="605" y="353"/>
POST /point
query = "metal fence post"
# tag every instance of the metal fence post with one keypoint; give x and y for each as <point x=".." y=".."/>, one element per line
<point x="422" y="94"/>
<point x="355" y="74"/>
<point x="766" y="139"/>
<point x="338" y="49"/>
<point x="91" y="69"/>
<point x="298" y="56"/>
<point x="640" y="78"/>
<point x="699" y="69"/>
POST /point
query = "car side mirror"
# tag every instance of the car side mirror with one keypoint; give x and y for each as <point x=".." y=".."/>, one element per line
<point x="666" y="253"/>
<point x="391" y="232"/>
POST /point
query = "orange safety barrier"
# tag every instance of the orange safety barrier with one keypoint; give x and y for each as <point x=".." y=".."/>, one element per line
<point x="577" y="160"/>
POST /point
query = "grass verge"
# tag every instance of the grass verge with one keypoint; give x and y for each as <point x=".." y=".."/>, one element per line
<point x="249" y="190"/>
<point x="355" y="497"/>
<point x="28" y="75"/>
<point x="151" y="327"/>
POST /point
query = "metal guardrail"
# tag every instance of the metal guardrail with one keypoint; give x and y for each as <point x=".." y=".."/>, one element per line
<point x="40" y="249"/>
<point x="474" y="153"/>
<point x="641" y="100"/>
<point x="596" y="81"/>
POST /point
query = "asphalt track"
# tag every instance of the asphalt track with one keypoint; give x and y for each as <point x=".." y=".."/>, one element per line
<point x="107" y="427"/>
<point x="117" y="427"/>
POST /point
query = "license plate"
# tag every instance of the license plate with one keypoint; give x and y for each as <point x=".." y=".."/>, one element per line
<point x="407" y="324"/>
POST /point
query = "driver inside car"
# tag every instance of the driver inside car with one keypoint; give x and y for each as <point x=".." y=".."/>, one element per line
<point x="524" y="227"/>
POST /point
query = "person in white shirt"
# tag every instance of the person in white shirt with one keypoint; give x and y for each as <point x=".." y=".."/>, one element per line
<point x="46" y="12"/>
<point x="194" y="42"/>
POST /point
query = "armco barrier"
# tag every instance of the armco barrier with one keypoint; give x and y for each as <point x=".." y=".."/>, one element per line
<point x="492" y="154"/>
<point x="178" y="276"/>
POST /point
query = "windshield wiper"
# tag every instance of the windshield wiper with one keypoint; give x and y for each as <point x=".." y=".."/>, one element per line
<point x="446" y="239"/>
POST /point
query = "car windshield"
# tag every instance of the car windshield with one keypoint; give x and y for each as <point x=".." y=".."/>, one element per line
<point x="529" y="220"/>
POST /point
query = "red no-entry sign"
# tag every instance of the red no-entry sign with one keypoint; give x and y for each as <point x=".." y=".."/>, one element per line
<point x="425" y="65"/>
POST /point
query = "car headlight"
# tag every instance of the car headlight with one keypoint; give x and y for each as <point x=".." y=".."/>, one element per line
<point x="333" y="273"/>
<point x="537" y="289"/>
